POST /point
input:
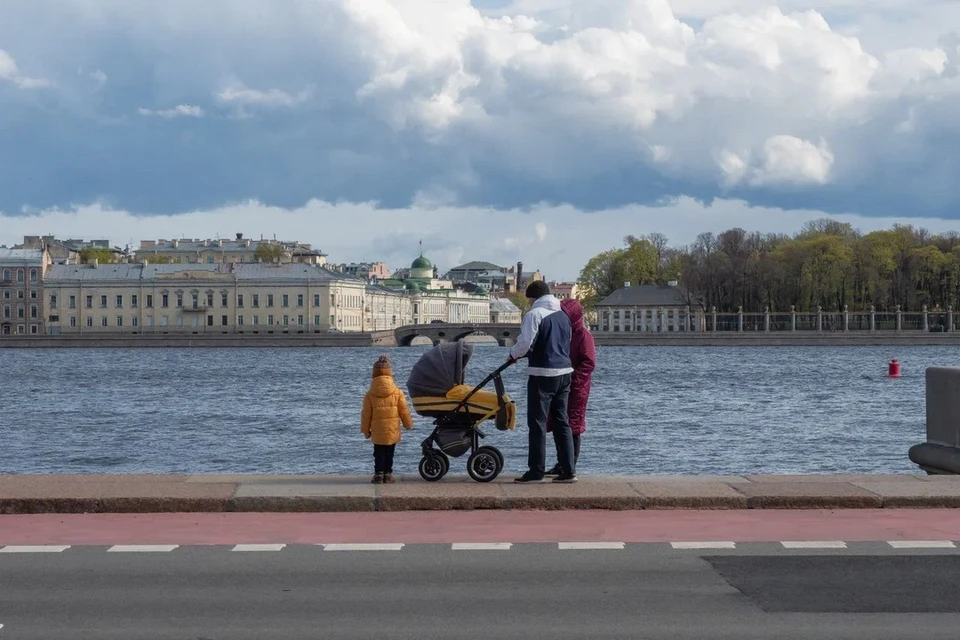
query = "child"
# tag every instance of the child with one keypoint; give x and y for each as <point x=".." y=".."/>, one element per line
<point x="384" y="409"/>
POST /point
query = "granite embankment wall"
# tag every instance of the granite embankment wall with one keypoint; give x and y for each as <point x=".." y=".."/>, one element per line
<point x="384" y="338"/>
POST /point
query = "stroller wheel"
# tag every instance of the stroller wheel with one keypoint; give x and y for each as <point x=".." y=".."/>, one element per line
<point x="433" y="467"/>
<point x="498" y="454"/>
<point x="484" y="464"/>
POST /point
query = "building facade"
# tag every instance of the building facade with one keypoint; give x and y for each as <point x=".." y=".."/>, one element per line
<point x="503" y="311"/>
<point x="239" y="251"/>
<point x="372" y="272"/>
<point x="202" y="298"/>
<point x="650" y="308"/>
<point x="22" y="308"/>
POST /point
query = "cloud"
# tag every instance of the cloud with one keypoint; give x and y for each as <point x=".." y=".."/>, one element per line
<point x="11" y="73"/>
<point x="832" y="105"/>
<point x="180" y="111"/>
<point x="393" y="235"/>
<point x="541" y="230"/>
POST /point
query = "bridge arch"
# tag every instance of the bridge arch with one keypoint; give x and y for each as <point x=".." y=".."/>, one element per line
<point x="505" y="334"/>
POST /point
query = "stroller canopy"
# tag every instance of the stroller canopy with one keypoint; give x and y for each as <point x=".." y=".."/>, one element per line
<point x="439" y="369"/>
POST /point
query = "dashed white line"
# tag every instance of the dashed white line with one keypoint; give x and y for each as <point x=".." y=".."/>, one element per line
<point x="48" y="548"/>
<point x="259" y="547"/>
<point x="481" y="546"/>
<point x="142" y="548"/>
<point x="363" y="547"/>
<point x="577" y="546"/>
<point x="921" y="544"/>
<point x="814" y="544"/>
<point x="704" y="545"/>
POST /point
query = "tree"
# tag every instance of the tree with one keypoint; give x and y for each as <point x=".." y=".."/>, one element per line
<point x="89" y="254"/>
<point x="520" y="300"/>
<point x="267" y="252"/>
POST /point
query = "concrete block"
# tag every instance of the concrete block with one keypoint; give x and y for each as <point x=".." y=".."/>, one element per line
<point x="689" y="495"/>
<point x="834" y="478"/>
<point x="808" y="495"/>
<point x="413" y="495"/>
<point x="582" y="495"/>
<point x="915" y="494"/>
<point x="301" y="504"/>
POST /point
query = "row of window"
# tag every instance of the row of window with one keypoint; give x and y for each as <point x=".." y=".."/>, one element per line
<point x="120" y="321"/>
<point x="21" y="312"/>
<point x="21" y="275"/>
<point x="8" y="294"/>
<point x="195" y="300"/>
<point x="22" y="329"/>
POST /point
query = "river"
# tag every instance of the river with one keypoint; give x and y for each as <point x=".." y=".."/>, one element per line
<point x="654" y="410"/>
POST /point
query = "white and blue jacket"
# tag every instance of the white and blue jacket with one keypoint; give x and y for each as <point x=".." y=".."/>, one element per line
<point x="545" y="339"/>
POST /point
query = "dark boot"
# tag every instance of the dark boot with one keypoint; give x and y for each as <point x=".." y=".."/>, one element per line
<point x="377" y="478"/>
<point x="388" y="478"/>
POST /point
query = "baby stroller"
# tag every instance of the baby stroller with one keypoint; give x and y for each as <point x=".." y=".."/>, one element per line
<point x="437" y="390"/>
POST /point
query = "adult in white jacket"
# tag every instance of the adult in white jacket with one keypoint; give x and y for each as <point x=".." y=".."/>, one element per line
<point x="545" y="342"/>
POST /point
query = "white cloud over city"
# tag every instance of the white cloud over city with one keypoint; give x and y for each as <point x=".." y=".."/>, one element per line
<point x="562" y="125"/>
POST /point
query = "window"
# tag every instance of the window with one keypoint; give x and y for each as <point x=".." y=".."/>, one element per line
<point x="164" y="320"/>
<point x="286" y="321"/>
<point x="19" y="275"/>
<point x="33" y="311"/>
<point x="134" y="300"/>
<point x="239" y="321"/>
<point x="223" y="321"/>
<point x="135" y="322"/>
<point x="179" y="300"/>
<point x="120" y="302"/>
<point x="33" y="294"/>
<point x="72" y="302"/>
<point x="269" y="299"/>
<point x="6" y="275"/>
<point x="209" y="299"/>
<point x="270" y="320"/>
<point x="73" y="321"/>
<point x="300" y="320"/>
<point x="89" y="302"/>
<point x="149" y="301"/>
<point x="20" y="294"/>
<point x="223" y="300"/>
<point x="6" y="294"/>
<point x="149" y="321"/>
<point x="21" y="329"/>
<point x="6" y="311"/>
<point x="240" y="301"/>
<point x="256" y="320"/>
<point x="316" y="321"/>
<point x="33" y="275"/>
<point x="285" y="300"/>
<point x="209" y="259"/>
<point x="89" y="321"/>
<point x="103" y="302"/>
<point x="299" y="299"/>
<point x="195" y="299"/>
<point x="20" y="312"/>
<point x="119" y="321"/>
<point x="53" y="301"/>
<point x="316" y="299"/>
<point x="103" y="321"/>
<point x="256" y="301"/>
<point x="209" y="321"/>
<point x="34" y="329"/>
<point x="165" y="300"/>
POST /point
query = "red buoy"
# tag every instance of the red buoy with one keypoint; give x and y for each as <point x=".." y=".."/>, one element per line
<point x="893" y="371"/>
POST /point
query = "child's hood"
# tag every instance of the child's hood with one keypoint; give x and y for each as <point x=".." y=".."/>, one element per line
<point x="383" y="386"/>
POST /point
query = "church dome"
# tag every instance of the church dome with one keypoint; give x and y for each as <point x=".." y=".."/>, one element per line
<point x="421" y="263"/>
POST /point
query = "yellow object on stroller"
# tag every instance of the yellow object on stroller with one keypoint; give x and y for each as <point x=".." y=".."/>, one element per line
<point x="437" y="389"/>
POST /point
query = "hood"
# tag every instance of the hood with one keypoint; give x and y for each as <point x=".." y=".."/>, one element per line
<point x="574" y="311"/>
<point x="382" y="386"/>
<point x="548" y="302"/>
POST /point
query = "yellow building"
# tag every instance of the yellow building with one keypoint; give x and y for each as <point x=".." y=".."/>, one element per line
<point x="221" y="251"/>
<point x="202" y="298"/>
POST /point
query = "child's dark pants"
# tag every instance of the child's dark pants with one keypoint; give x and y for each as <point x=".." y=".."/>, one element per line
<point x="383" y="458"/>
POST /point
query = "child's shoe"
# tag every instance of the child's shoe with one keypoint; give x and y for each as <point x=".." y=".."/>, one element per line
<point x="388" y="478"/>
<point x="377" y="478"/>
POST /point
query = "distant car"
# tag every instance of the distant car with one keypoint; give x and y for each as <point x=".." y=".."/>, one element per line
<point x="436" y="322"/>
<point x="334" y="330"/>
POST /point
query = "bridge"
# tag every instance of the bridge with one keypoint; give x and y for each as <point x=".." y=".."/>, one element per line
<point x="505" y="334"/>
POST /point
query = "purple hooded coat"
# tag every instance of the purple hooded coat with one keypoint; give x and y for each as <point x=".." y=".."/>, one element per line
<point x="583" y="356"/>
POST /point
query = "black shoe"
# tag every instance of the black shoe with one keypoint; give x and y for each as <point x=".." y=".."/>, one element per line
<point x="556" y="471"/>
<point x="529" y="477"/>
<point x="565" y="479"/>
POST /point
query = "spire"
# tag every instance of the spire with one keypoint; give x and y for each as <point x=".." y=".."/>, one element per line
<point x="421" y="247"/>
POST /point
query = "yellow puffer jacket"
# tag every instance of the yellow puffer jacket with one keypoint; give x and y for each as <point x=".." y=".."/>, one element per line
<point x="384" y="409"/>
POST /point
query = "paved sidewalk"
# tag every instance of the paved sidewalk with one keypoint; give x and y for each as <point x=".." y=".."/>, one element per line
<point x="288" y="493"/>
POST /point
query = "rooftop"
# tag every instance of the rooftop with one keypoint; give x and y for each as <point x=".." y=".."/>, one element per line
<point x="21" y="256"/>
<point x="477" y="266"/>
<point x="245" y="271"/>
<point x="653" y="295"/>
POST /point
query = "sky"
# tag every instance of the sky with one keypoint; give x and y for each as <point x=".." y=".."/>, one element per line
<point x="503" y="130"/>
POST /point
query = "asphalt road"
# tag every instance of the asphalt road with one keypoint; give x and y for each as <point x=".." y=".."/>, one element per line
<point x="529" y="592"/>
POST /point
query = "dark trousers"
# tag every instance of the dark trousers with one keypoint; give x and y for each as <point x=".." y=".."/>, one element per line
<point x="548" y="397"/>
<point x="383" y="458"/>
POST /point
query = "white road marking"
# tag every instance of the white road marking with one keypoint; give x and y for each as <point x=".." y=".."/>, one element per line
<point x="363" y="547"/>
<point x="34" y="548"/>
<point x="259" y="547"/>
<point x="704" y="545"/>
<point x="814" y="544"/>
<point x="142" y="548"/>
<point x="921" y="544"/>
<point x="564" y="546"/>
<point x="481" y="546"/>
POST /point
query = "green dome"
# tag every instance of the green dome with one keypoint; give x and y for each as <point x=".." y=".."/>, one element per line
<point x="480" y="290"/>
<point x="412" y="285"/>
<point x="421" y="263"/>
